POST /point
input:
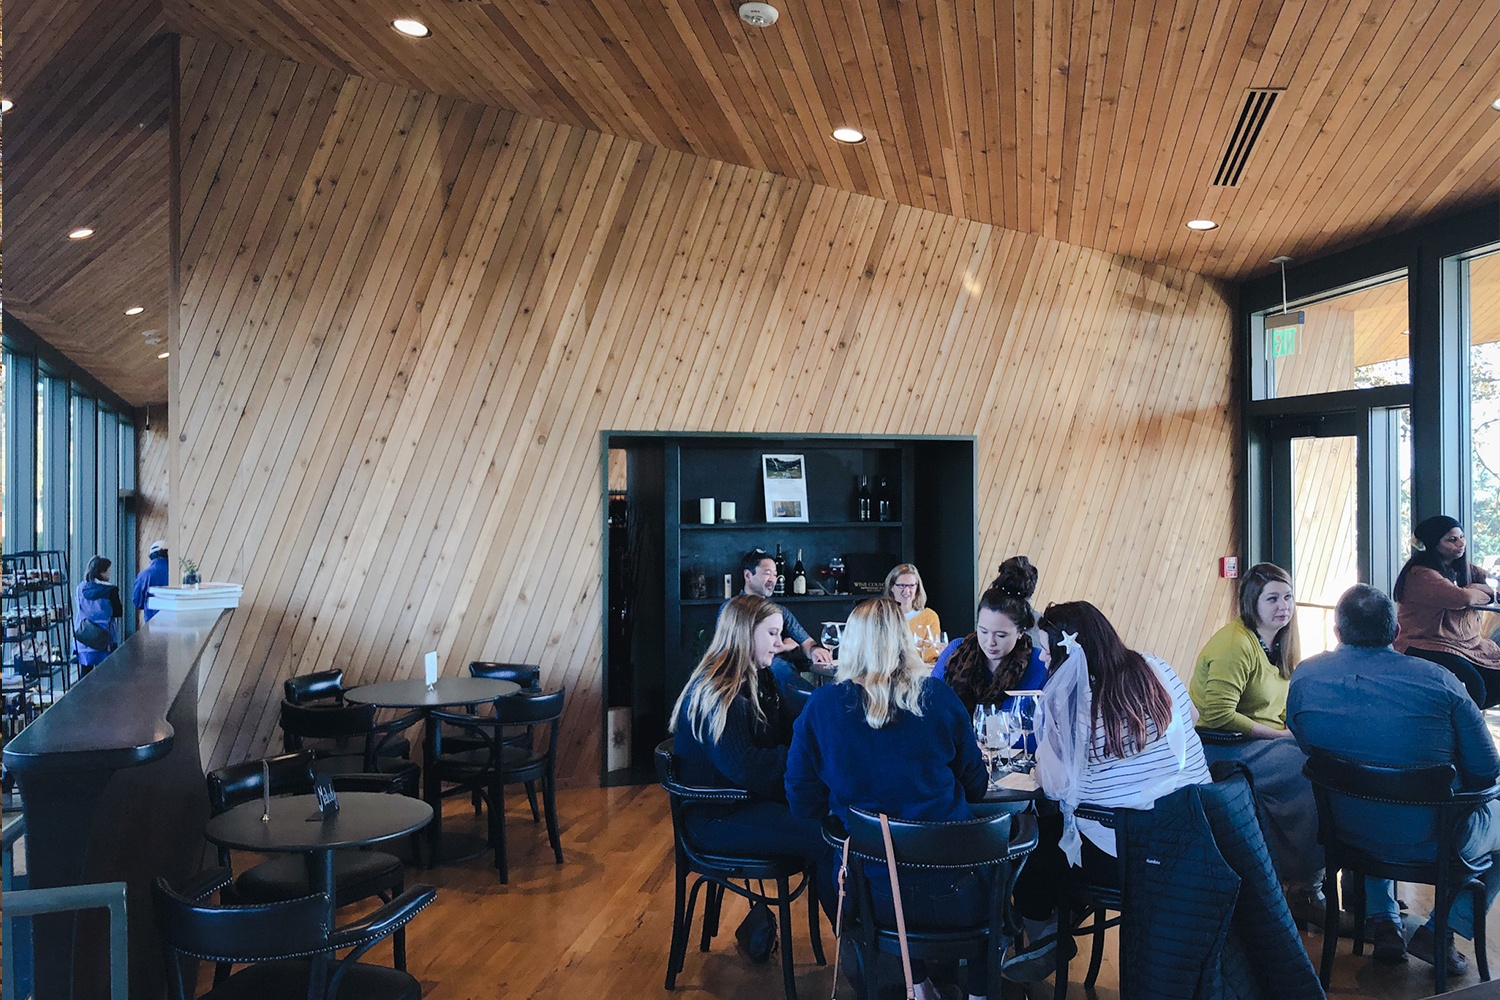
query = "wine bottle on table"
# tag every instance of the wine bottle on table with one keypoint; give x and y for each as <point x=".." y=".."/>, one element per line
<point x="799" y="576"/>
<point x="862" y="499"/>
<point x="780" y="572"/>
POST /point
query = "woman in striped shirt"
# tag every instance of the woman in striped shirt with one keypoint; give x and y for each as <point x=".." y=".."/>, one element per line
<point x="1140" y="746"/>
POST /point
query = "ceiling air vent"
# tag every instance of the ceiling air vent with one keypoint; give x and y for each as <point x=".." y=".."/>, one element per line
<point x="1258" y="104"/>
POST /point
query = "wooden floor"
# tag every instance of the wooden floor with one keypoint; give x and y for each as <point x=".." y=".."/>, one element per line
<point x="599" y="925"/>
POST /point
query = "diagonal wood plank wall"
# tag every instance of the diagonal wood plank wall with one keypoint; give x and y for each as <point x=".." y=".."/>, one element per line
<point x="405" y="320"/>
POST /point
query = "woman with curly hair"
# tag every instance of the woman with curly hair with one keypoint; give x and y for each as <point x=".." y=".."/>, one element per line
<point x="998" y="656"/>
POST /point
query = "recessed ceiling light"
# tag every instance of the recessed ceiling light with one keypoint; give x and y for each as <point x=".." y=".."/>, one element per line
<point x="411" y="28"/>
<point x="135" y="310"/>
<point x="1494" y="104"/>
<point x="163" y="355"/>
<point x="849" y="135"/>
<point x="1202" y="225"/>
<point x="758" y="15"/>
<point x="81" y="233"/>
<point x="6" y="104"/>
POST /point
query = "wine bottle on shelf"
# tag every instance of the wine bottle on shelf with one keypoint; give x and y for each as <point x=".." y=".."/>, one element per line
<point x="799" y="576"/>
<point x="780" y="572"/>
<point x="883" y="499"/>
<point x="862" y="499"/>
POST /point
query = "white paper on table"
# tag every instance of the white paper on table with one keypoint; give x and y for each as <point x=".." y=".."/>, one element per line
<point x="432" y="668"/>
<point x="1018" y="782"/>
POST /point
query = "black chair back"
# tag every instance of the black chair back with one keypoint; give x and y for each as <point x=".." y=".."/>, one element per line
<point x="291" y="774"/>
<point x="325" y="685"/>
<point x="326" y="722"/>
<point x="528" y="675"/>
<point x="488" y="731"/>
<point x="967" y="844"/>
<point x="254" y="933"/>
<point x="1439" y="864"/>
<point x="1418" y="786"/>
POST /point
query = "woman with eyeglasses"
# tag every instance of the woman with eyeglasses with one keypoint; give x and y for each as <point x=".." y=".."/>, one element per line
<point x="904" y="586"/>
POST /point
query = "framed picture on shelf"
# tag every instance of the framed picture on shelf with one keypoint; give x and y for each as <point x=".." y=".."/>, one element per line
<point x="784" y="478"/>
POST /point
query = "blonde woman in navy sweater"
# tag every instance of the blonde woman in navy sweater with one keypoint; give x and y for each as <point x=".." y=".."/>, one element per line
<point x="732" y="731"/>
<point x="889" y="738"/>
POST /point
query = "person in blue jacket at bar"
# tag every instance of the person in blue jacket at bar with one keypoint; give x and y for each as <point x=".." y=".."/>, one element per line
<point x="156" y="574"/>
<point x="97" y="602"/>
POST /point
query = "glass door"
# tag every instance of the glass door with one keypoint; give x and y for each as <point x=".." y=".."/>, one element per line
<point x="1339" y="507"/>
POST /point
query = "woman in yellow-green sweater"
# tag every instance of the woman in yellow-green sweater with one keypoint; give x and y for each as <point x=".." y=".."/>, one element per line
<point x="1239" y="685"/>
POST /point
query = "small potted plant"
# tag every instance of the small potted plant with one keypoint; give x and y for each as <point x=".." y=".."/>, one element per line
<point x="190" y="577"/>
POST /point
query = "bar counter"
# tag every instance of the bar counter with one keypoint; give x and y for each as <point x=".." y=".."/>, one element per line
<point x="112" y="786"/>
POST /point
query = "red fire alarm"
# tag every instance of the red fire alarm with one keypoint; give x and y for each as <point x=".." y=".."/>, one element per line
<point x="1229" y="567"/>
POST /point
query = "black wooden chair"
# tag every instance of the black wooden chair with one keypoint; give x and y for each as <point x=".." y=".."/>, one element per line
<point x="358" y="874"/>
<point x="495" y="762"/>
<point x="1412" y="789"/>
<point x="288" y="946"/>
<point x="1083" y="908"/>
<point x="350" y="739"/>
<point x="721" y="873"/>
<point x="324" y="692"/>
<point x="529" y="676"/>
<point x="996" y="842"/>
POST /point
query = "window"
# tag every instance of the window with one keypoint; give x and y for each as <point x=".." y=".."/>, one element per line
<point x="1479" y="284"/>
<point x="1352" y="340"/>
<point x="69" y="468"/>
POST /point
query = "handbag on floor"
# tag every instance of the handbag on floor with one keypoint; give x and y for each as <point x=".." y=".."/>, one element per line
<point x="757" y="933"/>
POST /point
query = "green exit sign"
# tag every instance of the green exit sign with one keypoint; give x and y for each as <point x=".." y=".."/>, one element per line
<point x="1283" y="341"/>
<point x="1281" y="333"/>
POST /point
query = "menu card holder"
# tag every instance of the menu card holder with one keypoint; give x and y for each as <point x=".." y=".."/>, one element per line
<point x="430" y="668"/>
<point x="328" y="799"/>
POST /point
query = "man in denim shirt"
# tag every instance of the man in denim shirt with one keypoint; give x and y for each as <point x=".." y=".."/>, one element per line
<point x="758" y="571"/>
<point x="1369" y="703"/>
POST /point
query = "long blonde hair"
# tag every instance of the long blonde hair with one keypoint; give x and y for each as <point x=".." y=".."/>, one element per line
<point x="726" y="669"/>
<point x="879" y="654"/>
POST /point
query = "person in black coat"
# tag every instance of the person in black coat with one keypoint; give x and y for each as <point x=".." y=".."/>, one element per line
<point x="732" y="730"/>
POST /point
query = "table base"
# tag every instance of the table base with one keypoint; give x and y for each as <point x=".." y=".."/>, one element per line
<point x="453" y="847"/>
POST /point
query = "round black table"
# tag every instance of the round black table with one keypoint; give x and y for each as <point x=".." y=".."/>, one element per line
<point x="295" y="827"/>
<point x="448" y="692"/>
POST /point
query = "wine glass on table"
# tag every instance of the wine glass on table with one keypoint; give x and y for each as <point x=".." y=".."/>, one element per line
<point x="982" y="737"/>
<point x="832" y="633"/>
<point x="1029" y="713"/>
<point x="1001" y="726"/>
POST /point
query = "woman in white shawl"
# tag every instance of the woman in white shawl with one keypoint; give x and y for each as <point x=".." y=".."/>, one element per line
<point x="1116" y="731"/>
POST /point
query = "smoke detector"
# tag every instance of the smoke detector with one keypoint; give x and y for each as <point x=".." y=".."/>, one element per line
<point x="758" y="15"/>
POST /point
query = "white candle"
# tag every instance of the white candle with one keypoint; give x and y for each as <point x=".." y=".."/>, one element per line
<point x="726" y="511"/>
<point x="706" y="510"/>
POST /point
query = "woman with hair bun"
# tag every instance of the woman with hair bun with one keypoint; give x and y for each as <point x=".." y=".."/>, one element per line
<point x="998" y="656"/>
<point x="1435" y="596"/>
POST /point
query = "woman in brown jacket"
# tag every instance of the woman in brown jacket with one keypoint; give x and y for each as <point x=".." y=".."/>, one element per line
<point x="1436" y="594"/>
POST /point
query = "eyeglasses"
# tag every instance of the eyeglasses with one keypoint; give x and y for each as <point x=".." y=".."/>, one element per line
<point x="903" y="586"/>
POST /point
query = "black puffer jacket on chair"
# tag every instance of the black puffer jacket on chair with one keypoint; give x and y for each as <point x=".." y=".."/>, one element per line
<point x="1204" y="915"/>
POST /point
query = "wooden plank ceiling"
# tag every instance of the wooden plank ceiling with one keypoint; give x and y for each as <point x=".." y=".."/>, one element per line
<point x="1097" y="124"/>
<point x="87" y="144"/>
